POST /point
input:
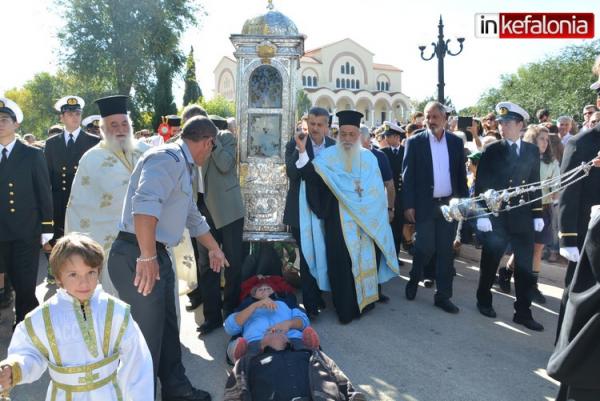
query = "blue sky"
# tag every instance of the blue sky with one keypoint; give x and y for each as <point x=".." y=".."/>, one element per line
<point x="389" y="28"/>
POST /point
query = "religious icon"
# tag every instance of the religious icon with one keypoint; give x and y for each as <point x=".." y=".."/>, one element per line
<point x="265" y="88"/>
<point x="265" y="135"/>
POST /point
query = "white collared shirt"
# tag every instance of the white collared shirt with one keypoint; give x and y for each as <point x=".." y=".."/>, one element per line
<point x="442" y="183"/>
<point x="303" y="157"/>
<point x="518" y="142"/>
<point x="200" y="180"/>
<point x="317" y="148"/>
<point x="396" y="150"/>
<point x="566" y="138"/>
<point x="75" y="135"/>
<point x="8" y="147"/>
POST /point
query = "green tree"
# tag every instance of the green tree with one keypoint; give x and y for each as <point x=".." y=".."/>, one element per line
<point x="219" y="106"/>
<point x="303" y="103"/>
<point x="473" y="111"/>
<point x="124" y="42"/>
<point x="559" y="83"/>
<point x="419" y="105"/>
<point x="163" y="94"/>
<point x="37" y="97"/>
<point x="192" y="90"/>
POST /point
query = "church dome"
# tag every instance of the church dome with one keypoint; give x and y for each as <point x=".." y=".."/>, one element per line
<point x="273" y="23"/>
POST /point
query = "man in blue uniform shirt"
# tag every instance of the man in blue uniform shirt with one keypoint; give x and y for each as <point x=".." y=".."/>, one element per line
<point x="154" y="217"/>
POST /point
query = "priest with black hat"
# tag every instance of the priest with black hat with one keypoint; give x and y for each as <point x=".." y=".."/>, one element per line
<point x="347" y="240"/>
<point x="101" y="180"/>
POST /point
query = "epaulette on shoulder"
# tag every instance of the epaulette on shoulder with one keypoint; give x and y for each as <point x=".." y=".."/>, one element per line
<point x="172" y="154"/>
<point x="31" y="148"/>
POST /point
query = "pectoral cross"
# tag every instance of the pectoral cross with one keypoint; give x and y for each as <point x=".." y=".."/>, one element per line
<point x="89" y="378"/>
<point x="357" y="188"/>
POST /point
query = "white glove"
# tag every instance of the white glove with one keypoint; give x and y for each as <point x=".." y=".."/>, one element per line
<point x="538" y="224"/>
<point x="484" y="225"/>
<point x="571" y="253"/>
<point x="46" y="237"/>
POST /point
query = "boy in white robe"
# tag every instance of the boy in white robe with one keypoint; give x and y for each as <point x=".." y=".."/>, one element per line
<point x="87" y="338"/>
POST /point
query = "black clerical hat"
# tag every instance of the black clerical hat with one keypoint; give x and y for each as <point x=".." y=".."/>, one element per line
<point x="110" y="105"/>
<point x="174" y="121"/>
<point x="349" y="117"/>
<point x="219" y="121"/>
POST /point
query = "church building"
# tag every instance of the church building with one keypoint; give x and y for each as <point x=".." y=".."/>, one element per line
<point x="340" y="76"/>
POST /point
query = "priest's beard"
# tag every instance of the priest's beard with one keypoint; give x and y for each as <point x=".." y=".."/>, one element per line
<point x="115" y="144"/>
<point x="349" y="154"/>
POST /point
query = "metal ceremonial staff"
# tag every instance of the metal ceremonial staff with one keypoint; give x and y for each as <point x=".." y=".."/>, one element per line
<point x="497" y="201"/>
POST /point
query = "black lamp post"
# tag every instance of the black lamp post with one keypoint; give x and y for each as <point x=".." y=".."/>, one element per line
<point x="440" y="49"/>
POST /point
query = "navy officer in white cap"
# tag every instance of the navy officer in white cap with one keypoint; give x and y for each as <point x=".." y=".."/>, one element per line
<point x="92" y="124"/>
<point x="508" y="163"/>
<point x="25" y="209"/>
<point x="62" y="155"/>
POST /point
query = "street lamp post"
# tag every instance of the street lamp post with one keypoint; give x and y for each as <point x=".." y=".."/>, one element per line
<point x="440" y="49"/>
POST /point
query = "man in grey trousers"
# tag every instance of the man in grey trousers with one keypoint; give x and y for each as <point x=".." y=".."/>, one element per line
<point x="220" y="201"/>
<point x="158" y="206"/>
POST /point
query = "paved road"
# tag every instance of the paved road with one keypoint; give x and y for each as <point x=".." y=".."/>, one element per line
<point x="407" y="351"/>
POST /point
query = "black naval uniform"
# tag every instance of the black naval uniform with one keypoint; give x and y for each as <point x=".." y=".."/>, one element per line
<point x="500" y="168"/>
<point x="395" y="157"/>
<point x="576" y="358"/>
<point x="62" y="166"/>
<point x="25" y="213"/>
<point x="577" y="199"/>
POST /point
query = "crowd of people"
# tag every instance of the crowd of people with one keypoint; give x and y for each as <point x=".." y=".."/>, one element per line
<point x="137" y="212"/>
